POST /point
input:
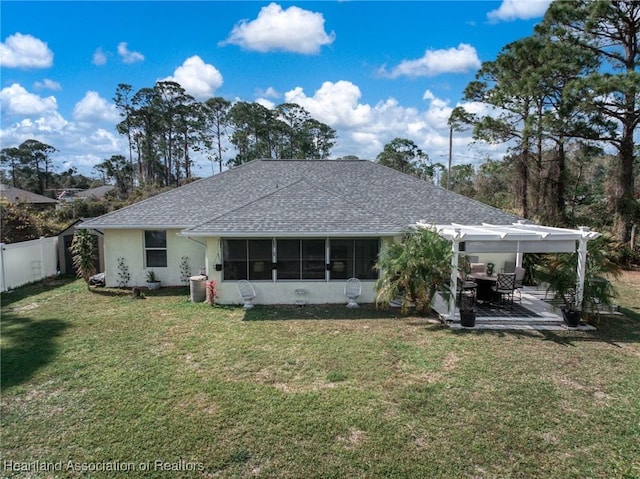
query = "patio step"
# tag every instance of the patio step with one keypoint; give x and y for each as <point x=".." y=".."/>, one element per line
<point x="522" y="324"/>
<point x="522" y="327"/>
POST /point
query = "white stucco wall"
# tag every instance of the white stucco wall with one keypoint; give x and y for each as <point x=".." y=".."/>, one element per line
<point x="284" y="292"/>
<point x="129" y="244"/>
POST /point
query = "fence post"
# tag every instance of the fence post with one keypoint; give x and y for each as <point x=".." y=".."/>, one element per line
<point x="3" y="287"/>
<point x="43" y="273"/>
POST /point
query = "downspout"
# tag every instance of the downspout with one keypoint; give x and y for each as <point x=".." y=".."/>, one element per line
<point x="455" y="248"/>
<point x="196" y="242"/>
<point x="203" y="245"/>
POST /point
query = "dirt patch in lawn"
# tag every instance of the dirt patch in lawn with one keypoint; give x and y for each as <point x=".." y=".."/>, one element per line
<point x="631" y="278"/>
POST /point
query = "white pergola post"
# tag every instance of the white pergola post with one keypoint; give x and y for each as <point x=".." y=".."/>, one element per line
<point x="455" y="248"/>
<point x="519" y="256"/>
<point x="582" y="265"/>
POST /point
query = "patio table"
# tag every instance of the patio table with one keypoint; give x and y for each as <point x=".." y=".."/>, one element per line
<point x="485" y="282"/>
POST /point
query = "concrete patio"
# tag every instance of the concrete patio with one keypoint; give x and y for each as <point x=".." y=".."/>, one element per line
<point x="533" y="313"/>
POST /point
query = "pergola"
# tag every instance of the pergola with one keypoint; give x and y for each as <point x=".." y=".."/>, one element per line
<point x="516" y="238"/>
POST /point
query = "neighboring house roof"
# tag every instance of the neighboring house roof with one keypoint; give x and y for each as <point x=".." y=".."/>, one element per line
<point x="97" y="192"/>
<point x="16" y="195"/>
<point x="269" y="197"/>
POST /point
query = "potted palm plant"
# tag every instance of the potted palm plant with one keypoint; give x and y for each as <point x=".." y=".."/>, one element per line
<point x="559" y="271"/>
<point x="152" y="280"/>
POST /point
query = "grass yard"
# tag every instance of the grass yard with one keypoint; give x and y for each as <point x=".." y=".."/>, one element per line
<point x="97" y="380"/>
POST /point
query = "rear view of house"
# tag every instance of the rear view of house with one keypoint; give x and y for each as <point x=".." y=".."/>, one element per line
<point x="293" y="228"/>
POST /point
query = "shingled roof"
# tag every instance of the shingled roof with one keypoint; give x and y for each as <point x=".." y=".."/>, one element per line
<point x="303" y="197"/>
<point x="16" y="195"/>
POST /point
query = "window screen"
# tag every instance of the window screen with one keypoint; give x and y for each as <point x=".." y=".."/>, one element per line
<point x="155" y="248"/>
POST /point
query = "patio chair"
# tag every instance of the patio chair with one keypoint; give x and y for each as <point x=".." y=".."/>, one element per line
<point x="504" y="287"/>
<point x="247" y="293"/>
<point x="478" y="268"/>
<point x="466" y="286"/>
<point x="520" y="274"/>
<point x="352" y="290"/>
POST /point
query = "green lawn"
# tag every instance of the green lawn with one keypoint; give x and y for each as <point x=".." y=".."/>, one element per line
<point x="98" y="379"/>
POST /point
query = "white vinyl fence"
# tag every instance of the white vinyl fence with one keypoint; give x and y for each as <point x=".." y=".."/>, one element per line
<point x="28" y="261"/>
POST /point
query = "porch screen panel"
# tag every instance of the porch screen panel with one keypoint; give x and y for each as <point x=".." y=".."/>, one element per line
<point x="341" y="258"/>
<point x="366" y="255"/>
<point x="259" y="259"/>
<point x="313" y="259"/>
<point x="235" y="259"/>
<point x="289" y="266"/>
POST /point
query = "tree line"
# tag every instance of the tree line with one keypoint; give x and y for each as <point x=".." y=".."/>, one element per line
<point x="564" y="96"/>
<point x="29" y="166"/>
<point x="165" y="126"/>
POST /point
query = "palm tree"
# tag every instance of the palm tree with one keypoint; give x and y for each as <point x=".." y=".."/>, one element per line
<point x="414" y="269"/>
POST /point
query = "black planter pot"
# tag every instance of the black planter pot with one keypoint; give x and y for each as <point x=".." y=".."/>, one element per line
<point x="571" y="317"/>
<point x="468" y="319"/>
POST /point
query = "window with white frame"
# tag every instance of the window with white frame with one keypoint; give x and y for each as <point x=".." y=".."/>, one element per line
<point x="155" y="248"/>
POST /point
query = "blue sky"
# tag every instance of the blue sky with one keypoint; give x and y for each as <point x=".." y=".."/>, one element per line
<point x="371" y="70"/>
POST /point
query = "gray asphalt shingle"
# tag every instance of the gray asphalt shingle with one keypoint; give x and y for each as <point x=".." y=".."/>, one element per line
<point x="16" y="195"/>
<point x="306" y="196"/>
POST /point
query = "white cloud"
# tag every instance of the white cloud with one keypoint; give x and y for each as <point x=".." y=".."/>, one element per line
<point x="16" y="100"/>
<point x="100" y="57"/>
<point x="291" y="30"/>
<point x="266" y="103"/>
<point x="25" y="51"/>
<point x="99" y="141"/>
<point x="84" y="142"/>
<point x="462" y="59"/>
<point x="428" y="95"/>
<point x="51" y="121"/>
<point x="519" y="10"/>
<point x="128" y="56"/>
<point x="268" y="93"/>
<point x="364" y="129"/>
<point x="336" y="104"/>
<point x="198" y="78"/>
<point x="48" y="84"/>
<point x="95" y="109"/>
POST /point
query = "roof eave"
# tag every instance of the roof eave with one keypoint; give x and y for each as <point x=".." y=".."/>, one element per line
<point x="281" y="234"/>
<point x="132" y="227"/>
